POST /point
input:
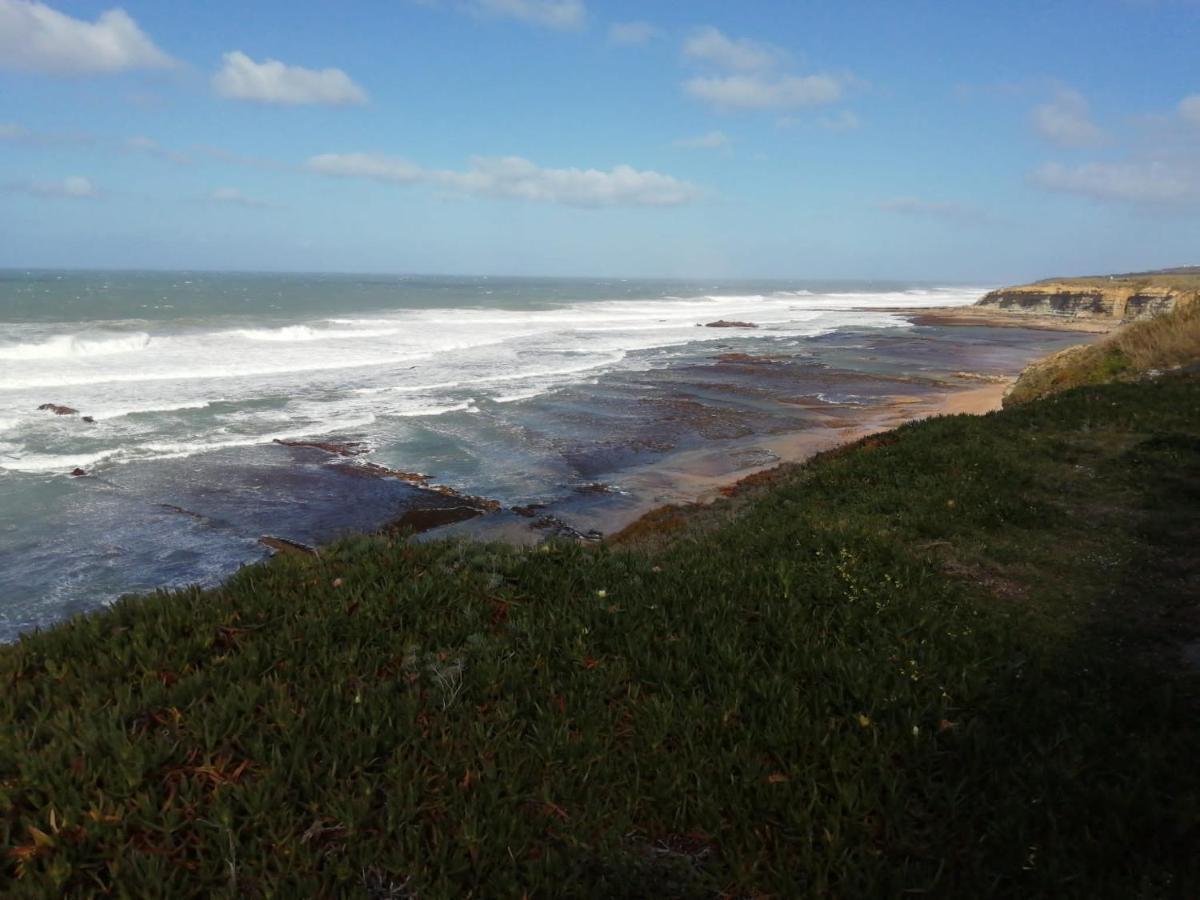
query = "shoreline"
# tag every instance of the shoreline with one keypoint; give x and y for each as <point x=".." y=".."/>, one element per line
<point x="599" y="458"/>
<point x="696" y="488"/>
<point x="700" y="476"/>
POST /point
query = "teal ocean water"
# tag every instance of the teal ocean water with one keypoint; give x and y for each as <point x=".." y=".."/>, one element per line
<point x="509" y="388"/>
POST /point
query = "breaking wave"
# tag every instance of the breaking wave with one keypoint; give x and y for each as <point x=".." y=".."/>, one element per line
<point x="69" y="346"/>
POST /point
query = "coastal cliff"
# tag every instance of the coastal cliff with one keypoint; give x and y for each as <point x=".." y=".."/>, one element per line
<point x="1113" y="299"/>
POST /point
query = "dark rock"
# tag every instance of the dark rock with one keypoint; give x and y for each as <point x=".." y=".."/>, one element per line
<point x="78" y="473"/>
<point x="748" y="358"/>
<point x="529" y="511"/>
<point x="337" y="448"/>
<point x="58" y="410"/>
<point x="596" y="487"/>
<point x="723" y="323"/>
<point x="377" y="471"/>
<point x="557" y="527"/>
<point x="283" y="545"/>
<point x="184" y="512"/>
<point x="89" y="420"/>
<point x="421" y="520"/>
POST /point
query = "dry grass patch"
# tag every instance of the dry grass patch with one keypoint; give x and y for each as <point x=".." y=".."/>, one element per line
<point x="1165" y="342"/>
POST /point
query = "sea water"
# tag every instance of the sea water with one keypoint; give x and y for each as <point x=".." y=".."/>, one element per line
<point x="188" y="378"/>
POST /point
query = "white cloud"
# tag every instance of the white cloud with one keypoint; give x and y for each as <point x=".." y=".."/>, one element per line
<point x="271" y="81"/>
<point x="565" y="15"/>
<point x="714" y="140"/>
<point x="516" y="178"/>
<point x="233" y="197"/>
<point x="946" y="211"/>
<point x="36" y="38"/>
<point x="1065" y="121"/>
<point x="846" y="120"/>
<point x="151" y="147"/>
<point x="759" y="92"/>
<point x="1149" y="182"/>
<point x="631" y="33"/>
<point x="1189" y="109"/>
<point x="710" y="45"/>
<point x="367" y="165"/>
<point x="512" y="176"/>
<point x="73" y="187"/>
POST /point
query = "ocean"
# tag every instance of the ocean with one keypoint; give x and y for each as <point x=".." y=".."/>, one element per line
<point x="516" y="389"/>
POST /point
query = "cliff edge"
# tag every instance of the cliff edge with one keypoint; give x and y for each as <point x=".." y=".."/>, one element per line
<point x="1108" y="299"/>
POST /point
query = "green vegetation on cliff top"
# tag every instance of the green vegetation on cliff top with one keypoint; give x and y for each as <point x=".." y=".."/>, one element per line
<point x="946" y="661"/>
<point x="1185" y="278"/>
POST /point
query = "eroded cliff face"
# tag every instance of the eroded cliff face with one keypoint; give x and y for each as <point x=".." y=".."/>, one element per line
<point x="1118" y="301"/>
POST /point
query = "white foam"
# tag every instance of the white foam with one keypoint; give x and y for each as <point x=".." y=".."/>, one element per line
<point x="522" y="395"/>
<point x="322" y="375"/>
<point x="67" y="346"/>
<point x="291" y="334"/>
<point x="102" y="414"/>
<point x="44" y="462"/>
<point x="465" y="406"/>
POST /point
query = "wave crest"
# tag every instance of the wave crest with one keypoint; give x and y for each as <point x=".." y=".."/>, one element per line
<point x="67" y="346"/>
<point x="298" y="333"/>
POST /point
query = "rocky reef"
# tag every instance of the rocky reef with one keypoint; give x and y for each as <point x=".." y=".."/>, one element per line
<point x="1116" y="299"/>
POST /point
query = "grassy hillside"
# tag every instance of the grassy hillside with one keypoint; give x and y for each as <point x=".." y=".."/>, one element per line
<point x="946" y="661"/>
<point x="1161" y="343"/>
<point x="1182" y="279"/>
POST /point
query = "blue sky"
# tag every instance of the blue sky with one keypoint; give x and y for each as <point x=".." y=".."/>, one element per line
<point x="967" y="140"/>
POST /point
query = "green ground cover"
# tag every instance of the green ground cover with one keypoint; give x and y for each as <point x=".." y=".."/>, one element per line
<point x="948" y="661"/>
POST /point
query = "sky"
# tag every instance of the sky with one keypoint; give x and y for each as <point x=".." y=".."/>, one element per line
<point x="966" y="141"/>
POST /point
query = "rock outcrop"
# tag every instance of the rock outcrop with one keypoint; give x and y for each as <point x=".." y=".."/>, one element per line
<point x="1114" y="298"/>
<point x="287" y="546"/>
<point x="724" y="323"/>
<point x="58" y="410"/>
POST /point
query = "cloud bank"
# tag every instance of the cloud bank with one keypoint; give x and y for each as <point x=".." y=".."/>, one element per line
<point x="740" y="92"/>
<point x="752" y="81"/>
<point x="513" y="177"/>
<point x="713" y="140"/>
<point x="1146" y="182"/>
<point x="36" y="38"/>
<point x="564" y="15"/>
<point x="74" y="187"/>
<point x="241" y="78"/>
<point x="711" y="45"/>
<point x="1066" y="121"/>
